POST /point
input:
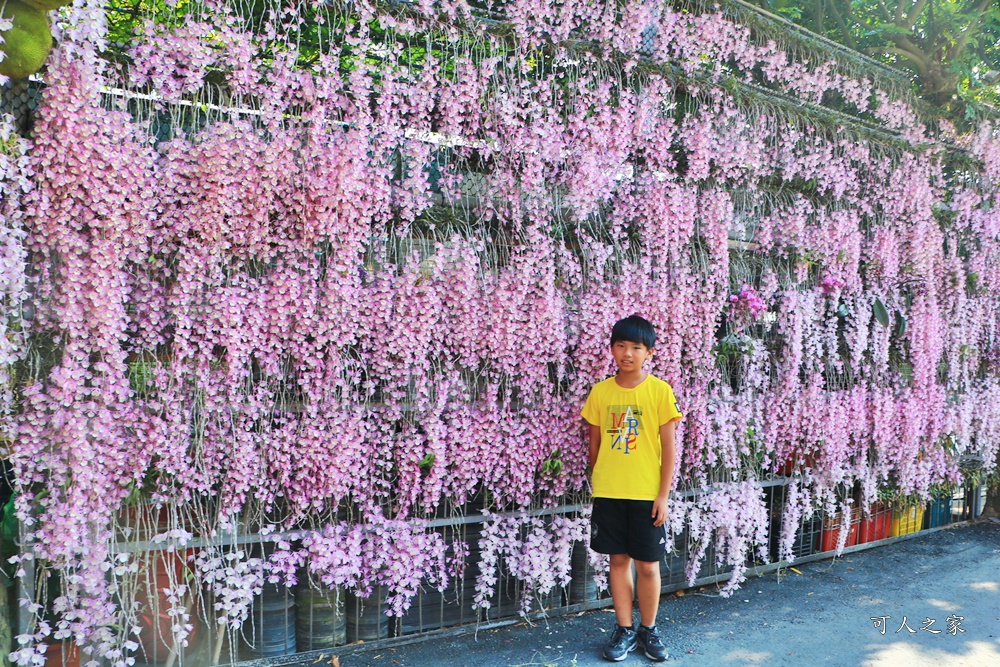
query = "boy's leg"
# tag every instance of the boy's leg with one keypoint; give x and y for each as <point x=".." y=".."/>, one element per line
<point x="609" y="535"/>
<point x="647" y="547"/>
<point x="648" y="589"/>
<point x="620" y="580"/>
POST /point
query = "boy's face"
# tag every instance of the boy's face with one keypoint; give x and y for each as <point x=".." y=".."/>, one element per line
<point x="630" y="356"/>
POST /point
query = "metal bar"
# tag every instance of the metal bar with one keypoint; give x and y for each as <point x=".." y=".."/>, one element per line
<point x="313" y="657"/>
<point x="256" y="538"/>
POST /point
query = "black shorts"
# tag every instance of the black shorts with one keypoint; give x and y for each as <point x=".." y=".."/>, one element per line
<point x="626" y="527"/>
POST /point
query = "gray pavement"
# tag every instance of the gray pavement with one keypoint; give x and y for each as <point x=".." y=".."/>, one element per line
<point x="819" y="617"/>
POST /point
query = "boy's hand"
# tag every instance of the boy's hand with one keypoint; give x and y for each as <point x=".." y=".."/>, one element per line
<point x="659" y="511"/>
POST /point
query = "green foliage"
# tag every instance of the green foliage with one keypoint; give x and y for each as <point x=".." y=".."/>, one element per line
<point x="553" y="465"/>
<point x="789" y="9"/>
<point x="880" y="312"/>
<point x="427" y="462"/>
<point x="28" y="42"/>
<point x="8" y="530"/>
<point x="952" y="46"/>
<point x="126" y="16"/>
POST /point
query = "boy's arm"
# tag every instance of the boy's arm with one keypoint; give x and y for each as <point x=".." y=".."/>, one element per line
<point x="667" y="462"/>
<point x="594" y="431"/>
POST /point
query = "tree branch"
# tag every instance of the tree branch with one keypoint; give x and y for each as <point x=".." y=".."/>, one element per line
<point x="959" y="46"/>
<point x="907" y="44"/>
<point x="848" y="37"/>
<point x="898" y="19"/>
<point x="849" y="12"/>
<point x="911" y="18"/>
<point x="818" y="15"/>
<point x="918" y="59"/>
<point x="885" y="12"/>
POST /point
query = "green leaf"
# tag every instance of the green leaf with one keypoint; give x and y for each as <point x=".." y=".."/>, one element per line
<point x="427" y="461"/>
<point x="900" y="324"/>
<point x="881" y="314"/>
<point x="8" y="530"/>
<point x="553" y="465"/>
<point x="972" y="283"/>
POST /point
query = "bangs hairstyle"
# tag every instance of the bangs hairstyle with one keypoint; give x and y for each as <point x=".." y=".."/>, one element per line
<point x="634" y="329"/>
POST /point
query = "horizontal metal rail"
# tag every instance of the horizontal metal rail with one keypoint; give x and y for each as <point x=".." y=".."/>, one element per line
<point x="313" y="657"/>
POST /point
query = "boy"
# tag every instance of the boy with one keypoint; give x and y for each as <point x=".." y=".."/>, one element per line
<point x="631" y="419"/>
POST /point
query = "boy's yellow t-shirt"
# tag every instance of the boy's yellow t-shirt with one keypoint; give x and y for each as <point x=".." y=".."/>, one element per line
<point x="628" y="462"/>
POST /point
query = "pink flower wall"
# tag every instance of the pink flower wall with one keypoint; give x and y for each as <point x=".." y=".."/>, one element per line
<point x="376" y="289"/>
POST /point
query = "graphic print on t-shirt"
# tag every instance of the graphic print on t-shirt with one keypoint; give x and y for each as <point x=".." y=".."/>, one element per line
<point x="625" y="420"/>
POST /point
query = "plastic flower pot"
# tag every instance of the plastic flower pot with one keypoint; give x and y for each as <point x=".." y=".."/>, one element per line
<point x="709" y="567"/>
<point x="786" y="468"/>
<point x="141" y="521"/>
<point x="320" y="619"/>
<point x="834" y="524"/>
<point x="875" y="525"/>
<point x="795" y="461"/>
<point x="366" y="619"/>
<point x="938" y="513"/>
<point x="906" y="521"/>
<point x="806" y="535"/>
<point x="582" y="587"/>
<point x="272" y="633"/>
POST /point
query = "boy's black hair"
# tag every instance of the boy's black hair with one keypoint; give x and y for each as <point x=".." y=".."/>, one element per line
<point x="634" y="329"/>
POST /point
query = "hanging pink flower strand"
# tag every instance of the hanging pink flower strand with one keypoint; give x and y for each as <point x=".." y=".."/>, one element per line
<point x="326" y="301"/>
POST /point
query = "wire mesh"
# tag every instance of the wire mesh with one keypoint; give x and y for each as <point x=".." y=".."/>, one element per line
<point x="20" y="98"/>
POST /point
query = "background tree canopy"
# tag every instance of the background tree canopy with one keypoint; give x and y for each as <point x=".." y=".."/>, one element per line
<point x="950" y="45"/>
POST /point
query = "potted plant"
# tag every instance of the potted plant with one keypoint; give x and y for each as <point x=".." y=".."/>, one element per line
<point x="848" y="520"/>
<point x="877" y="518"/>
<point x="939" y="508"/>
<point x="907" y="518"/>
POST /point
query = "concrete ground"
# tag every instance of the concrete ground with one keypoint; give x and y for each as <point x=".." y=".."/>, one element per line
<point x="819" y="617"/>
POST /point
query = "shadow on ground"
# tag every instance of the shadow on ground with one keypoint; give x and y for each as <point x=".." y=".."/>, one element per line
<point x="932" y="601"/>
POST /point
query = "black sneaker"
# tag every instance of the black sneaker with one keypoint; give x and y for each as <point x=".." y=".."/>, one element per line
<point x="622" y="643"/>
<point x="652" y="644"/>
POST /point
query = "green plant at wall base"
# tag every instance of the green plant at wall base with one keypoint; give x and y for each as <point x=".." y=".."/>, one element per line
<point x="887" y="494"/>
<point x="942" y="491"/>
<point x="8" y="531"/>
<point x="903" y="502"/>
<point x="972" y="284"/>
<point x="140" y="376"/>
<point x="752" y="453"/>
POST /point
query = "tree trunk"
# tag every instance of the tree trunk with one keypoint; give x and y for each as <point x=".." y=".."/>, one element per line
<point x="992" y="508"/>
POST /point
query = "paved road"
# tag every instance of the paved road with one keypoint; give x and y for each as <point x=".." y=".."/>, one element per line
<point x="819" y="617"/>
